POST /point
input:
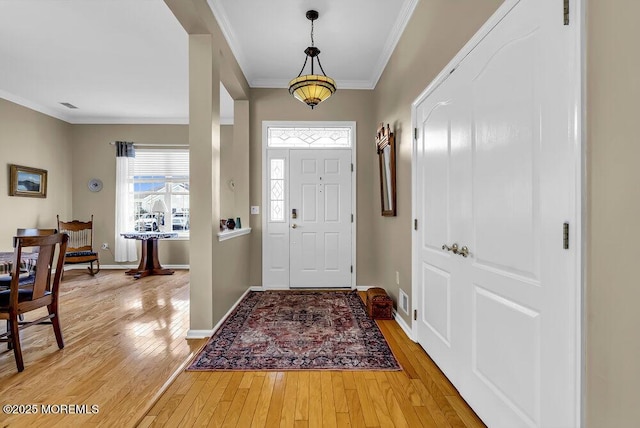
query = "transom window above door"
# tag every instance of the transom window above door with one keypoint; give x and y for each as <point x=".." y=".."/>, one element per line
<point x="312" y="137"/>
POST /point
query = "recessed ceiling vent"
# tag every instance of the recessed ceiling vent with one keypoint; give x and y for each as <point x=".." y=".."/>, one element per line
<point x="69" y="105"/>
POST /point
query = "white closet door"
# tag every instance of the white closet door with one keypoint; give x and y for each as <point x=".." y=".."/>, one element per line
<point x="496" y="174"/>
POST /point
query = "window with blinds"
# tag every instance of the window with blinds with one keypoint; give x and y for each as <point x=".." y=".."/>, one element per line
<point x="160" y="185"/>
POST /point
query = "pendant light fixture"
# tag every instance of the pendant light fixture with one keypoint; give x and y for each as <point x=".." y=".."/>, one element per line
<point x="312" y="88"/>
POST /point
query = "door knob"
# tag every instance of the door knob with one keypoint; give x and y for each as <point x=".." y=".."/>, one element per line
<point x="453" y="248"/>
<point x="294" y="226"/>
<point x="464" y="252"/>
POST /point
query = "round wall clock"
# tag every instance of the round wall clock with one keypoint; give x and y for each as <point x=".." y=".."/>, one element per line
<point x="95" y="184"/>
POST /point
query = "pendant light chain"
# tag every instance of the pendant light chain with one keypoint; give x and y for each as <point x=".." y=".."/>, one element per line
<point x="312" y="43"/>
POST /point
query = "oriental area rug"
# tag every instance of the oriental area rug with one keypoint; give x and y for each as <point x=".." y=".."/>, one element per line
<point x="297" y="330"/>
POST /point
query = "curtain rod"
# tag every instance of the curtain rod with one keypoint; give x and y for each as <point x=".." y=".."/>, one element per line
<point x="113" y="143"/>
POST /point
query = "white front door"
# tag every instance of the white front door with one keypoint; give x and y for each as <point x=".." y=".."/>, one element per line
<point x="496" y="172"/>
<point x="309" y="199"/>
<point x="320" y="201"/>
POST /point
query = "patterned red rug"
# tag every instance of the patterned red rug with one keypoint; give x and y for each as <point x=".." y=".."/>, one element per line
<point x="297" y="330"/>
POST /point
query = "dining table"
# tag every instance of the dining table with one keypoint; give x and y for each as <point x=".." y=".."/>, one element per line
<point x="149" y="261"/>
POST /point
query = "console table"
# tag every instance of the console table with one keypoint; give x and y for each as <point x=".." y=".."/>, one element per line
<point x="149" y="263"/>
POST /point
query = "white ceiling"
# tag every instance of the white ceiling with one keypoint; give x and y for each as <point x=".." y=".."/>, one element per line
<point x="125" y="61"/>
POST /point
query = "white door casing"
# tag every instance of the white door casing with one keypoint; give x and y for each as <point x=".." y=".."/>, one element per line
<point x="497" y="169"/>
<point x="317" y="248"/>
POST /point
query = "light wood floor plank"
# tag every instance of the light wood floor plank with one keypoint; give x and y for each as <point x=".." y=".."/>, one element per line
<point x="366" y="403"/>
<point x="249" y="408"/>
<point x="302" y="399"/>
<point x="288" y="415"/>
<point x="356" y="417"/>
<point x="277" y="399"/>
<point x="328" y="404"/>
<point x="339" y="396"/>
<point x="315" y="400"/>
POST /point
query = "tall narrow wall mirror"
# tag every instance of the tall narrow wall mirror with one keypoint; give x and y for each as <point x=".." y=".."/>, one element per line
<point x="386" y="148"/>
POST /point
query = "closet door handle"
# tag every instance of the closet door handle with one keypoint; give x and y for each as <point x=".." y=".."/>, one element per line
<point x="453" y="248"/>
<point x="464" y="251"/>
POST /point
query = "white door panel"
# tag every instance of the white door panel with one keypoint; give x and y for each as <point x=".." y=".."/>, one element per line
<point x="320" y="192"/>
<point x="495" y="172"/>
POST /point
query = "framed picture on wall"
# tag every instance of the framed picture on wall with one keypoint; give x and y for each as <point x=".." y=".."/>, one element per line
<point x="26" y="181"/>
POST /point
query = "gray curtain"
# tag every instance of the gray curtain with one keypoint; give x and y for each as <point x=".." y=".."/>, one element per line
<point x="125" y="249"/>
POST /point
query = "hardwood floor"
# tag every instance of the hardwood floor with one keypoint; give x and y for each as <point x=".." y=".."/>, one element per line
<point x="125" y="341"/>
<point x="418" y="396"/>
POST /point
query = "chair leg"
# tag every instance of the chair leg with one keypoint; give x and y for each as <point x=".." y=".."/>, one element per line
<point x="9" y="346"/>
<point x="91" y="271"/>
<point x="55" y="321"/>
<point x="15" y="342"/>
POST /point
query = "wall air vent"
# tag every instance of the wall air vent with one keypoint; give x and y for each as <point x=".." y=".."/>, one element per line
<point x="69" y="105"/>
<point x="403" y="302"/>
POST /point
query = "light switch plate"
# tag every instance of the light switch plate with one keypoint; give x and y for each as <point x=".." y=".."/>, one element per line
<point x="255" y="209"/>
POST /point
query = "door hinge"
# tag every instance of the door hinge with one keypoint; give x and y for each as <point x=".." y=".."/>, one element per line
<point x="565" y="236"/>
<point x="566" y="12"/>
<point x="415" y="224"/>
<point x="415" y="314"/>
<point x="415" y="133"/>
<point x="351" y="218"/>
<point x="351" y="167"/>
<point x="351" y="268"/>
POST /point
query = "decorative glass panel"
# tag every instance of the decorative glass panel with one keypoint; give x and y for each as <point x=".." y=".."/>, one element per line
<point x="309" y="137"/>
<point x="277" y="191"/>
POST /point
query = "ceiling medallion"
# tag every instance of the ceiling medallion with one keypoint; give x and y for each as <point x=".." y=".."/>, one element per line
<point x="312" y="88"/>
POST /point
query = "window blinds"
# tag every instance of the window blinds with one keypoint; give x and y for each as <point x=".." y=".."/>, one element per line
<point x="162" y="162"/>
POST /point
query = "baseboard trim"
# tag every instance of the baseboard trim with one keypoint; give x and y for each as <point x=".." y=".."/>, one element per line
<point x="403" y="325"/>
<point x="200" y="334"/>
<point x="71" y="267"/>
<point x="363" y="287"/>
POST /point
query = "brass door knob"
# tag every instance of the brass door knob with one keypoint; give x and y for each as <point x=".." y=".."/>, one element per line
<point x="464" y="252"/>
<point x="453" y="248"/>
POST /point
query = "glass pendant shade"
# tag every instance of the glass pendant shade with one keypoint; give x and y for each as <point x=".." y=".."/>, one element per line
<point x="312" y="89"/>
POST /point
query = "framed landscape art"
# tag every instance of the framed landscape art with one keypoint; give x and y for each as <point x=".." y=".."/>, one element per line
<point x="26" y="181"/>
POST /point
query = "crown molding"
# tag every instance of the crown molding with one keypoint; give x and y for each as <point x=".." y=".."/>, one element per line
<point x="129" y="121"/>
<point x="227" y="31"/>
<point x="283" y="84"/>
<point x="34" y="106"/>
<point x="394" y="37"/>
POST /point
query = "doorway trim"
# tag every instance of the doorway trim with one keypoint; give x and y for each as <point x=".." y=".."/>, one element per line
<point x="578" y="133"/>
<point x="266" y="124"/>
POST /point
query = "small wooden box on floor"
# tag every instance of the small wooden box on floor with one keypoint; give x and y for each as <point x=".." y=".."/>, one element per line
<point x="379" y="305"/>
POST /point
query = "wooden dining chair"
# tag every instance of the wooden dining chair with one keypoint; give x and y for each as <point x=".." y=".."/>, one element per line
<point x="80" y="248"/>
<point x="44" y="291"/>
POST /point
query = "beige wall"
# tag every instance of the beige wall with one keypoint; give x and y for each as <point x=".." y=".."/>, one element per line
<point x="94" y="157"/>
<point x="29" y="138"/>
<point x="613" y="206"/>
<point x="345" y="105"/>
<point x="227" y="169"/>
<point x="436" y="32"/>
